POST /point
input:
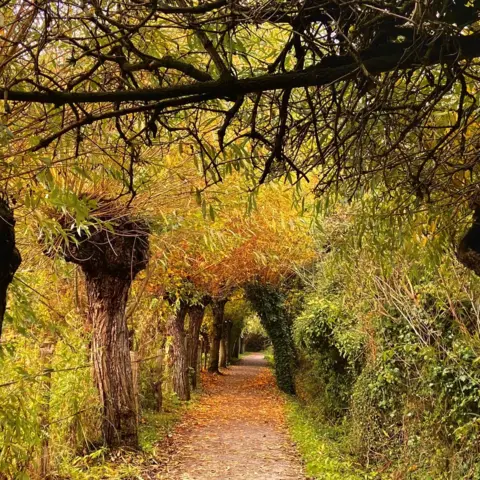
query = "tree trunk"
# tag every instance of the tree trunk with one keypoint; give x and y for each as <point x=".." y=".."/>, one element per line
<point x="205" y="348"/>
<point x="224" y="344"/>
<point x="9" y="255"/>
<point x="107" y="299"/>
<point x="468" y="251"/>
<point x="222" y="357"/>
<point x="176" y="328"/>
<point x="234" y="334"/>
<point x="196" y="314"/>
<point x="110" y="259"/>
<point x="229" y="345"/>
<point x="218" y="309"/>
<point x="237" y="347"/>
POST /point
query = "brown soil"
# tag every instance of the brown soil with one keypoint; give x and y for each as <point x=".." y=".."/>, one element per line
<point x="236" y="431"/>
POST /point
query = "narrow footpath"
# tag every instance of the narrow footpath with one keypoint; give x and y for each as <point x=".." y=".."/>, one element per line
<point x="237" y="431"/>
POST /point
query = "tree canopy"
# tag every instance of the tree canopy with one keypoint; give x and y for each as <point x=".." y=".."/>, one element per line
<point x="179" y="178"/>
<point x="348" y="93"/>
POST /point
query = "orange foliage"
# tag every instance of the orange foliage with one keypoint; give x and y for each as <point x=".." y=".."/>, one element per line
<point x="206" y="256"/>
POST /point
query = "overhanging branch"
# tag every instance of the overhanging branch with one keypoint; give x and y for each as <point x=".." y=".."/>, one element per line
<point x="202" y="8"/>
<point x="89" y="119"/>
<point x="332" y="69"/>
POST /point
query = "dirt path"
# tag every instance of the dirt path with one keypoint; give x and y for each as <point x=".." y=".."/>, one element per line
<point x="237" y="430"/>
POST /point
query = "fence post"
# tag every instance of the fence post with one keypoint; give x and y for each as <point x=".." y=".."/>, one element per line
<point x="134" y="362"/>
<point x="46" y="353"/>
<point x="159" y="382"/>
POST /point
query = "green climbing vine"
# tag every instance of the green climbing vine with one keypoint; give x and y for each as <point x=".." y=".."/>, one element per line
<point x="269" y="303"/>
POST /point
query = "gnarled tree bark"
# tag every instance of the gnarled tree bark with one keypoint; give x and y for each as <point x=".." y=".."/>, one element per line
<point x="110" y="260"/>
<point x="176" y="328"/>
<point x="218" y="310"/>
<point x="107" y="298"/>
<point x="10" y="258"/>
<point x="205" y="348"/>
<point x="222" y="356"/>
<point x="196" y="314"/>
<point x="225" y="356"/>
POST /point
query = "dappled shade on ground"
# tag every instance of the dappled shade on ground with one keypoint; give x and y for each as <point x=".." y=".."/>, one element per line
<point x="237" y="431"/>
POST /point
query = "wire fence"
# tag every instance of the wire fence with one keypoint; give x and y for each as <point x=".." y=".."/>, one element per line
<point x="48" y="371"/>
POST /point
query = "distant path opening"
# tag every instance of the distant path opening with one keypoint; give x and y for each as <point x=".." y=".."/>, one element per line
<point x="237" y="431"/>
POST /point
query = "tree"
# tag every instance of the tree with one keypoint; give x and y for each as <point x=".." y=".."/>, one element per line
<point x="180" y="364"/>
<point x="196" y="314"/>
<point x="218" y="310"/>
<point x="237" y="312"/>
<point x="9" y="253"/>
<point x="111" y="256"/>
<point x="217" y="255"/>
<point x="299" y="88"/>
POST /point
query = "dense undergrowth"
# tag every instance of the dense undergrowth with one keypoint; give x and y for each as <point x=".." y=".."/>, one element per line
<point x="102" y="463"/>
<point x="269" y="304"/>
<point x="70" y="438"/>
<point x="389" y="358"/>
<point x="48" y="400"/>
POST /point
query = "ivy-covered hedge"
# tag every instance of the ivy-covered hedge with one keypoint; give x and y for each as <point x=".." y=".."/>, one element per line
<point x="269" y="303"/>
<point x="389" y="349"/>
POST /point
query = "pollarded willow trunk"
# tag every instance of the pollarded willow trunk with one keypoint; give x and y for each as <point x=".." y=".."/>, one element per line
<point x="228" y="337"/>
<point x="196" y="314"/>
<point x="110" y="259"/>
<point x="205" y="348"/>
<point x="237" y="347"/>
<point x="222" y="356"/>
<point x="225" y="344"/>
<point x="107" y="299"/>
<point x="9" y="255"/>
<point x="218" y="310"/>
<point x="176" y="328"/>
<point x="234" y="335"/>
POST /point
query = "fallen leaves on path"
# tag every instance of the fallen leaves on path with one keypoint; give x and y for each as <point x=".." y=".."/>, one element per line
<point x="237" y="430"/>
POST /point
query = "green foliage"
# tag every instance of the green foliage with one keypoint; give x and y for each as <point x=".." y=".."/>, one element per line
<point x="270" y="306"/>
<point x="44" y="395"/>
<point x="269" y="357"/>
<point x="389" y="348"/>
<point x="254" y="326"/>
<point x="126" y="464"/>
<point x="155" y="426"/>
<point x="329" y="354"/>
<point x="321" y="446"/>
<point x="255" y="337"/>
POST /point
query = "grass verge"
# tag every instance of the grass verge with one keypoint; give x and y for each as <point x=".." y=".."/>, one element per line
<point x="320" y="446"/>
<point x="268" y="354"/>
